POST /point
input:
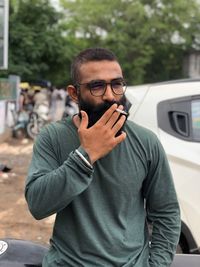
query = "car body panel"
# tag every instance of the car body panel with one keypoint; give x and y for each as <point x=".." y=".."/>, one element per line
<point x="186" y="261"/>
<point x="183" y="154"/>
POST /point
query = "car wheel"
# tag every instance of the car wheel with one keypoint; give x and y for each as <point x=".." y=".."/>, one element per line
<point x="182" y="247"/>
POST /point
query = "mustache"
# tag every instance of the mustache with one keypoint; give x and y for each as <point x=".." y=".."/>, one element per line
<point x="95" y="112"/>
<point x="101" y="108"/>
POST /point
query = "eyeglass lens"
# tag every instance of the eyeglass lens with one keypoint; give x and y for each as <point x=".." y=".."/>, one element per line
<point x="98" y="88"/>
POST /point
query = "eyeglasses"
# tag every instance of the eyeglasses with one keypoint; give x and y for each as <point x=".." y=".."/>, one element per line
<point x="98" y="87"/>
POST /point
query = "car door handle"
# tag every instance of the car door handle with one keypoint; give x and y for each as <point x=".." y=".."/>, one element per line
<point x="181" y="123"/>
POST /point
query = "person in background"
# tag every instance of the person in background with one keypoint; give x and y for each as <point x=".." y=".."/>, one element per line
<point x="71" y="108"/>
<point x="25" y="100"/>
<point x="57" y="103"/>
<point x="41" y="97"/>
<point x="104" y="176"/>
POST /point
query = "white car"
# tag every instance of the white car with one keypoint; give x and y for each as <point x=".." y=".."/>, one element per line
<point x="172" y="111"/>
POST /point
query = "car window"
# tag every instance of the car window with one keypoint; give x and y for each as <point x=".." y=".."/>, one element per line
<point x="196" y="118"/>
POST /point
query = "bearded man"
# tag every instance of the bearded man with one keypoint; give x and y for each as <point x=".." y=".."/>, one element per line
<point x="104" y="177"/>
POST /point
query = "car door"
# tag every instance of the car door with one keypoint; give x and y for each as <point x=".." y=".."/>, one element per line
<point x="172" y="111"/>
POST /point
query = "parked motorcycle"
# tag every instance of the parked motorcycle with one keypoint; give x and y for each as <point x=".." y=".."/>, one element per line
<point x="38" y="118"/>
<point x="34" y="125"/>
<point x="29" y="123"/>
<point x="21" y="120"/>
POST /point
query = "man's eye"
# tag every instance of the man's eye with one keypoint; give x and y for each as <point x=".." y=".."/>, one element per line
<point x="96" y="85"/>
<point x="118" y="84"/>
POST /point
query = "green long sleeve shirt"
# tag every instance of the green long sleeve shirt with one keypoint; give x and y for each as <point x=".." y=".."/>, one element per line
<point x="102" y="213"/>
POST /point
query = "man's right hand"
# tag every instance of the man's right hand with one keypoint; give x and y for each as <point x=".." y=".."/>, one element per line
<point x="101" y="138"/>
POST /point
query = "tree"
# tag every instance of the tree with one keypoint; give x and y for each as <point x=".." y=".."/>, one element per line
<point x="149" y="37"/>
<point x="37" y="48"/>
<point x="177" y="33"/>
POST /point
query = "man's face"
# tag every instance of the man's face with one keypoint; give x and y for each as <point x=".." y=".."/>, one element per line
<point x="96" y="106"/>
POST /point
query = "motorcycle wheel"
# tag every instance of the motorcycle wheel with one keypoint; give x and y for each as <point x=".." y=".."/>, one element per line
<point x="19" y="133"/>
<point x="32" y="130"/>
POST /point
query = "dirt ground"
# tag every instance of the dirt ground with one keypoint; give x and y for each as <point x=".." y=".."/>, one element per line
<point x="15" y="218"/>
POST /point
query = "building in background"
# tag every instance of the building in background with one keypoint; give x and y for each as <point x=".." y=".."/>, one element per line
<point x="191" y="65"/>
<point x="9" y="94"/>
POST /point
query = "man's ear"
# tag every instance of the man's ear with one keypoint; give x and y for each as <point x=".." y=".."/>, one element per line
<point x="72" y="91"/>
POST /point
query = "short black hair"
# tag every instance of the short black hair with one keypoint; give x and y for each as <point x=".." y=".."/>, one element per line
<point x="87" y="55"/>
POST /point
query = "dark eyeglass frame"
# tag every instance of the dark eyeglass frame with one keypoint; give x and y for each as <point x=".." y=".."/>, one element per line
<point x="103" y="83"/>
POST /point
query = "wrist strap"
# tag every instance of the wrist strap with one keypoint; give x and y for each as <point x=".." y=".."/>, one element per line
<point x="83" y="159"/>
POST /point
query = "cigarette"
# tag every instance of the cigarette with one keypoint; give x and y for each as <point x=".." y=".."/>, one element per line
<point x="121" y="111"/>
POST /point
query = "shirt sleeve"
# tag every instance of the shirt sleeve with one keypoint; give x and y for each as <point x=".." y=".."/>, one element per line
<point x="49" y="187"/>
<point x="162" y="208"/>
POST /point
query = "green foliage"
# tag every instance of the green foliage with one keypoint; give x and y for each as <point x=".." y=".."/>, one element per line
<point x="149" y="37"/>
<point x="37" y="48"/>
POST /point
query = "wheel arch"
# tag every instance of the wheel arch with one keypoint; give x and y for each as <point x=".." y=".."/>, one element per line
<point x="186" y="236"/>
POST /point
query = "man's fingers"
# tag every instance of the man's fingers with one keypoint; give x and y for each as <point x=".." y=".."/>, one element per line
<point x="106" y="116"/>
<point x="115" y="116"/>
<point x="84" y="120"/>
<point x="121" y="137"/>
<point x="118" y="125"/>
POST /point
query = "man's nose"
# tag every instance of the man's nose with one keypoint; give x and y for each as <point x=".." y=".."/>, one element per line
<point x="108" y="93"/>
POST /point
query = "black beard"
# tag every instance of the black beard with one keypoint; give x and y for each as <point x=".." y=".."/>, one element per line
<point x="95" y="112"/>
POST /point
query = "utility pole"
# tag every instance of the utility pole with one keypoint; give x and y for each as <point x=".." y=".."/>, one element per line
<point x="4" y="18"/>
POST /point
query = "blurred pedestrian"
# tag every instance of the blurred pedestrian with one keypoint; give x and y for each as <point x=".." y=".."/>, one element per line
<point x="71" y="108"/>
<point x="57" y="104"/>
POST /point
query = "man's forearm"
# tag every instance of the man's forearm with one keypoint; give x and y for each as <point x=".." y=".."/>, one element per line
<point x="165" y="237"/>
<point x="49" y="192"/>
